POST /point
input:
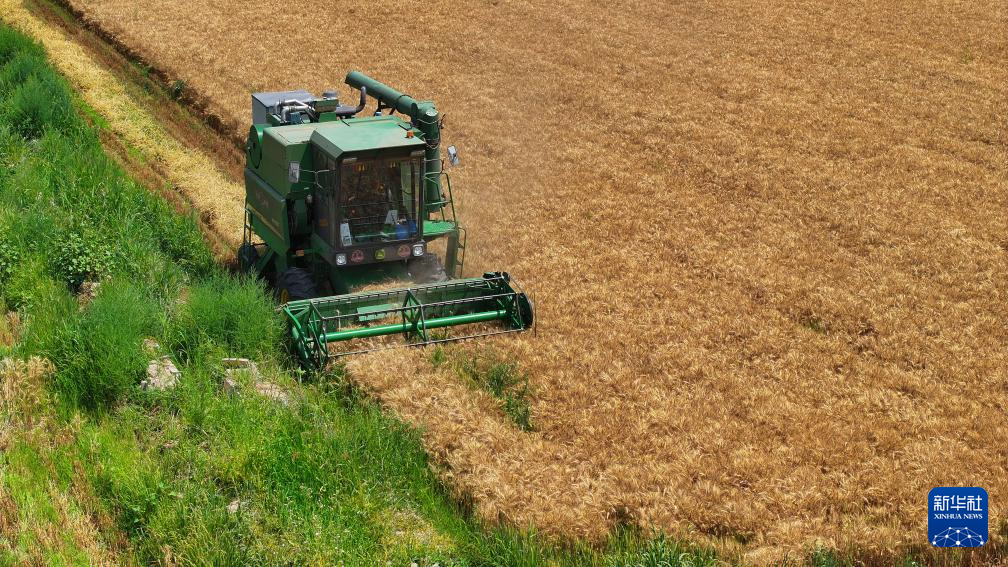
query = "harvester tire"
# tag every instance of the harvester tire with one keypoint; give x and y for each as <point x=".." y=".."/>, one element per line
<point x="296" y="284"/>
<point x="248" y="256"/>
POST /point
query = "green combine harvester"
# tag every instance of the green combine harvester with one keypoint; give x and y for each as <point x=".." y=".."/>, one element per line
<point x="335" y="203"/>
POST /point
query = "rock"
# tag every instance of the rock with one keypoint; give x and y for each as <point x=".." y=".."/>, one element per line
<point x="232" y="365"/>
<point x="151" y="346"/>
<point x="229" y="385"/>
<point x="233" y="507"/>
<point x="88" y="291"/>
<point x="162" y="374"/>
<point x="272" y="391"/>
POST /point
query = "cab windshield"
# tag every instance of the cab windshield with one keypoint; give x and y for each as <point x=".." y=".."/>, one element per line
<point x="376" y="199"/>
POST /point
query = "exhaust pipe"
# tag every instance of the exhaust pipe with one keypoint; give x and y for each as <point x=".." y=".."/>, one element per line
<point x="345" y="111"/>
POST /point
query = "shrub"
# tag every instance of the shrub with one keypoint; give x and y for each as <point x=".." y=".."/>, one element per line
<point x="180" y="239"/>
<point x="178" y="88"/>
<point x="81" y="258"/>
<point x="21" y="65"/>
<point x="11" y="43"/>
<point x="237" y="316"/>
<point x="9" y="258"/>
<point x="98" y="355"/>
<point x="39" y="103"/>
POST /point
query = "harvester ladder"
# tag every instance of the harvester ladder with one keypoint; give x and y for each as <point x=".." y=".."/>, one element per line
<point x="446" y="208"/>
<point x="460" y="245"/>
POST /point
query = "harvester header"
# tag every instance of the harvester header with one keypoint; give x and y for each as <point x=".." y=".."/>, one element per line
<point x="336" y="201"/>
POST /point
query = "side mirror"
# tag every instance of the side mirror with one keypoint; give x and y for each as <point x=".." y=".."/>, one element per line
<point x="453" y="156"/>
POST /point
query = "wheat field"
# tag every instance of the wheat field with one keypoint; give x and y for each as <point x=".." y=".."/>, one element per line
<point x="768" y="244"/>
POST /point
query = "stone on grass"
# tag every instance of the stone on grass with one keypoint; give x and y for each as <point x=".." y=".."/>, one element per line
<point x="162" y="374"/>
<point x="229" y="385"/>
<point x="88" y="291"/>
<point x="151" y="346"/>
<point x="233" y="367"/>
<point x="272" y="391"/>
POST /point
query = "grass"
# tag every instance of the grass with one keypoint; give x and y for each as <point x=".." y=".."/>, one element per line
<point x="178" y="89"/>
<point x="94" y="469"/>
<point x="179" y="174"/>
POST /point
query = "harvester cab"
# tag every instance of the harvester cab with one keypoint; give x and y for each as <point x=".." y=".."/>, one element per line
<point x="335" y="202"/>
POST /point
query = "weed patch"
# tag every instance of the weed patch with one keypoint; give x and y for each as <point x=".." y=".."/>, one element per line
<point x="503" y="380"/>
<point x="37" y="104"/>
<point x="178" y="89"/>
<point x="99" y="357"/>
<point x="25" y="63"/>
<point x="9" y="257"/>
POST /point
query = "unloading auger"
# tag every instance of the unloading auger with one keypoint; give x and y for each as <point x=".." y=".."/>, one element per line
<point x="336" y="202"/>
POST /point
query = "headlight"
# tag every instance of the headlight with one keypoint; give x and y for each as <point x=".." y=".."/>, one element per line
<point x="418" y="249"/>
<point x="341" y="259"/>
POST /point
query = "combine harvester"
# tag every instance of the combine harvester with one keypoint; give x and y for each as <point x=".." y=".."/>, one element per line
<point x="334" y="203"/>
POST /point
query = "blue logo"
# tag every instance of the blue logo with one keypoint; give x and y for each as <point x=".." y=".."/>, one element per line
<point x="957" y="516"/>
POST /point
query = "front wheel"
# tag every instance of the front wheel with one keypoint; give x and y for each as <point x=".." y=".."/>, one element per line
<point x="295" y="284"/>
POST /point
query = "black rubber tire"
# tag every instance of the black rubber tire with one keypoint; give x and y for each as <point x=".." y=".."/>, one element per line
<point x="527" y="310"/>
<point x="427" y="269"/>
<point x="295" y="284"/>
<point x="247" y="257"/>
